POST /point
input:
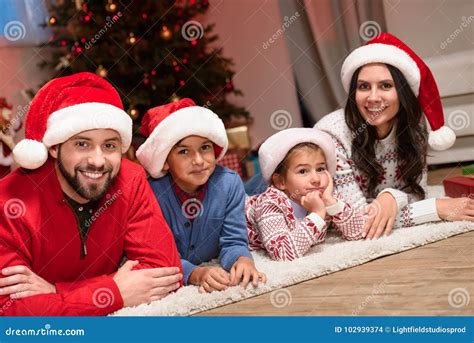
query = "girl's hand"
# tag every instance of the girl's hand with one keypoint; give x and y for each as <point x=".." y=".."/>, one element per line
<point x="314" y="203"/>
<point x="382" y="213"/>
<point x="328" y="198"/>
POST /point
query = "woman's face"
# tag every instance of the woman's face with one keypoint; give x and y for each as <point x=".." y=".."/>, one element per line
<point x="377" y="98"/>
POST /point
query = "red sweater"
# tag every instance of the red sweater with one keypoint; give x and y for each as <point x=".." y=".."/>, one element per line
<point x="38" y="229"/>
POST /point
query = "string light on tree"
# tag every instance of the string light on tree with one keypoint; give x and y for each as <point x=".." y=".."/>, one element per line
<point x="175" y="98"/>
<point x="131" y="38"/>
<point x="101" y="71"/>
<point x="111" y="6"/>
<point x="165" y="33"/>
<point x="52" y="21"/>
<point x="133" y="112"/>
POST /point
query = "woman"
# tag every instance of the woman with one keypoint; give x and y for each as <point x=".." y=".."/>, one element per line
<point x="382" y="140"/>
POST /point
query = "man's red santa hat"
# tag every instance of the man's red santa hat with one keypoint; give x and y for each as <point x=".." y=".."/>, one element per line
<point x="168" y="124"/>
<point x="65" y="107"/>
<point x="388" y="49"/>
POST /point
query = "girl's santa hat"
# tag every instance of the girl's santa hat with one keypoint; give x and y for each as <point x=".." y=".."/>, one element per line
<point x="168" y="124"/>
<point x="65" y="107"/>
<point x="275" y="148"/>
<point x="388" y="49"/>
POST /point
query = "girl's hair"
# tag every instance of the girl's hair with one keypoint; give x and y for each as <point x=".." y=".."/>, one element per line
<point x="411" y="136"/>
<point x="282" y="167"/>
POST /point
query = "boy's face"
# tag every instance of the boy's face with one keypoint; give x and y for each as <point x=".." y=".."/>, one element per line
<point x="306" y="172"/>
<point x="191" y="162"/>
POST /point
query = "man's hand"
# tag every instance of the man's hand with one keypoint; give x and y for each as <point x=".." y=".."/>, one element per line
<point x="146" y="285"/>
<point x="21" y="282"/>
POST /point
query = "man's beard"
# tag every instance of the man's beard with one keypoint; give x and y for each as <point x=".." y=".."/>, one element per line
<point x="91" y="192"/>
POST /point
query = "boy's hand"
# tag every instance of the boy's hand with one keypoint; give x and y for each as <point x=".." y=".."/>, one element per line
<point x="210" y="279"/>
<point x="243" y="270"/>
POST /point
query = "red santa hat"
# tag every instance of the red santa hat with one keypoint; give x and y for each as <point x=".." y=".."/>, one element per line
<point x="65" y="107"/>
<point x="168" y="124"/>
<point x="388" y="49"/>
<point x="275" y="148"/>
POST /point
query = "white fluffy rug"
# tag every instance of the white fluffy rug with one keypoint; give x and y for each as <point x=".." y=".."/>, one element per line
<point x="333" y="255"/>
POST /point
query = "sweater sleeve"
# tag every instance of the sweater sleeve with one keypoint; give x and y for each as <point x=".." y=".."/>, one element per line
<point x="347" y="222"/>
<point x="148" y="238"/>
<point x="287" y="240"/>
<point x="97" y="296"/>
<point x="233" y="241"/>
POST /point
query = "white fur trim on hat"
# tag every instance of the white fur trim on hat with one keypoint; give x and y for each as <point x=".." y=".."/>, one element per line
<point x="30" y="154"/>
<point x="441" y="139"/>
<point x="381" y="53"/>
<point x="69" y="121"/>
<point x="188" y="121"/>
<point x="275" y="148"/>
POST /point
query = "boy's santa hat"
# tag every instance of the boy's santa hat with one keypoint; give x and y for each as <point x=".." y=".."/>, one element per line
<point x="65" y="107"/>
<point x="273" y="151"/>
<point x="168" y="124"/>
<point x="388" y="49"/>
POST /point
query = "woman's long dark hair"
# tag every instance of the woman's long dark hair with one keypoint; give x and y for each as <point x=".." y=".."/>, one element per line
<point x="411" y="136"/>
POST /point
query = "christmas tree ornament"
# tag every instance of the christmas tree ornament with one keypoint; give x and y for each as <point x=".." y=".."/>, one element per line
<point x="229" y="85"/>
<point x="111" y="6"/>
<point x="133" y="112"/>
<point x="175" y="98"/>
<point x="131" y="38"/>
<point x="165" y="33"/>
<point x="101" y="71"/>
<point x="52" y="21"/>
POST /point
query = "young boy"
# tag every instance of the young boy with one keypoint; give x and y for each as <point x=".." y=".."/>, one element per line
<point x="202" y="202"/>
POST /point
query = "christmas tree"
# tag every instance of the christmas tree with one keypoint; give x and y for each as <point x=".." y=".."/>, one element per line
<point x="152" y="51"/>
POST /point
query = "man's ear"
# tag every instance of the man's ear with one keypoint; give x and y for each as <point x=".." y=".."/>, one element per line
<point x="279" y="181"/>
<point x="54" y="150"/>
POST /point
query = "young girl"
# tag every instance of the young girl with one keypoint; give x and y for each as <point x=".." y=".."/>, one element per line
<point x="294" y="212"/>
<point x="381" y="138"/>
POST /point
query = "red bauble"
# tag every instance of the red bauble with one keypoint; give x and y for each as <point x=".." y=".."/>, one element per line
<point x="182" y="83"/>
<point x="229" y="86"/>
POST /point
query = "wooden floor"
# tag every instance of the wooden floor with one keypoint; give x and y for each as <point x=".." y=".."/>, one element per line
<point x="415" y="282"/>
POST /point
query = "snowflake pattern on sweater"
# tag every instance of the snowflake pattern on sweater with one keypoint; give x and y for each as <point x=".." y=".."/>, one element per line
<point x="273" y="226"/>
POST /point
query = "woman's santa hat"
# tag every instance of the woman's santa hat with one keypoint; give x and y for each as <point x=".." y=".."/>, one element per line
<point x="274" y="150"/>
<point x="65" y="107"/>
<point x="388" y="49"/>
<point x="168" y="124"/>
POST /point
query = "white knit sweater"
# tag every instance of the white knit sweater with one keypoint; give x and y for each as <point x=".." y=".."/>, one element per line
<point x="352" y="185"/>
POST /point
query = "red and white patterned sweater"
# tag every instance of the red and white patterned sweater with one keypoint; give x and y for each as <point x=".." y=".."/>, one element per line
<point x="273" y="226"/>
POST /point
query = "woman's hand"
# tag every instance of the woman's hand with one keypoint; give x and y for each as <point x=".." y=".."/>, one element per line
<point x="382" y="213"/>
<point x="455" y="209"/>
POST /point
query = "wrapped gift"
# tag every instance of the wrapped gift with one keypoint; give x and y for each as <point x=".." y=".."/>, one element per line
<point x="467" y="170"/>
<point x="459" y="186"/>
<point x="232" y="161"/>
<point x="238" y="138"/>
